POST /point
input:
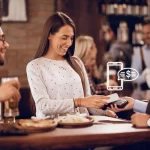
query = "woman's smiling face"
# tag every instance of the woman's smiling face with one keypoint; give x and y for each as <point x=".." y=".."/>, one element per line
<point x="60" y="42"/>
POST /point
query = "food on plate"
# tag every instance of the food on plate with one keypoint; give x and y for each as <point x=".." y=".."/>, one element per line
<point x="35" y="123"/>
<point x="72" y="119"/>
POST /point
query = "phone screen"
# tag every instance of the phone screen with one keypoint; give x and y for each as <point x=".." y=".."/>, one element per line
<point x="112" y="70"/>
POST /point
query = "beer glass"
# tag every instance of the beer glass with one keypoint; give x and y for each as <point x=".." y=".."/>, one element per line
<point x="10" y="106"/>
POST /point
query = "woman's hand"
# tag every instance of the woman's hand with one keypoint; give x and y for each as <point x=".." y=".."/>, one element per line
<point x="127" y="107"/>
<point x="95" y="101"/>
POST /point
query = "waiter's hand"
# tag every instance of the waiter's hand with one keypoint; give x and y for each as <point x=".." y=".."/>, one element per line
<point x="127" y="107"/>
<point x="140" y="120"/>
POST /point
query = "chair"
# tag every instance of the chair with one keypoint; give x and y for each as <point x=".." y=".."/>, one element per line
<point x="26" y="104"/>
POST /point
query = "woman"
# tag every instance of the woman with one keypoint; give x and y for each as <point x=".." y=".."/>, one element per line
<point x="58" y="81"/>
<point x="86" y="50"/>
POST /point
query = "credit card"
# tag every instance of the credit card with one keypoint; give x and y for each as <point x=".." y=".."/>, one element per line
<point x="113" y="97"/>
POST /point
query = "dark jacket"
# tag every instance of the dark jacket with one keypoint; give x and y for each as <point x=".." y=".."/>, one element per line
<point x="148" y="108"/>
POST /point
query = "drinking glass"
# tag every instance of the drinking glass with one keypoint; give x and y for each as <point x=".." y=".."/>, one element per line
<point x="10" y="106"/>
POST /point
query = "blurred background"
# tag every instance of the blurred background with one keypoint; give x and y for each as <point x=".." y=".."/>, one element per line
<point x="115" y="25"/>
<point x="107" y="21"/>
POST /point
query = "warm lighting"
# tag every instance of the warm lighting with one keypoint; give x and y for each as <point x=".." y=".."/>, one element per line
<point x="124" y="6"/>
<point x="115" y="6"/>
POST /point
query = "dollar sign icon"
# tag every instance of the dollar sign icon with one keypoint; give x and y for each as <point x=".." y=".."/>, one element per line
<point x="128" y="74"/>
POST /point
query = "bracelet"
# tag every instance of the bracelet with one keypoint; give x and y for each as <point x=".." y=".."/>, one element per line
<point x="77" y="102"/>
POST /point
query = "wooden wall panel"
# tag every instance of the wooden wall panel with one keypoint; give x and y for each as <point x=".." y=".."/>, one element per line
<point x="87" y="19"/>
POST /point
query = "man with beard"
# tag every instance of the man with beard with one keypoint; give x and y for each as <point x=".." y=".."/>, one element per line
<point x="10" y="89"/>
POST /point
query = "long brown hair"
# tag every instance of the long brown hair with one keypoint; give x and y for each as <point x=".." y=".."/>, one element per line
<point x="52" y="25"/>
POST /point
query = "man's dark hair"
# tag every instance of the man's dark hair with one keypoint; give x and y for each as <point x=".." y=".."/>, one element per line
<point x="146" y="21"/>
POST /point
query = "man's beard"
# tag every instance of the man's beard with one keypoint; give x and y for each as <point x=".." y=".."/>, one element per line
<point x="1" y="61"/>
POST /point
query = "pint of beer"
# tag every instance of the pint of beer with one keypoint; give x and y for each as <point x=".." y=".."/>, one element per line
<point x="10" y="106"/>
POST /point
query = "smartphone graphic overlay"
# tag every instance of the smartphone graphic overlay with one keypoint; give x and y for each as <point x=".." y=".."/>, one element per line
<point x="112" y="70"/>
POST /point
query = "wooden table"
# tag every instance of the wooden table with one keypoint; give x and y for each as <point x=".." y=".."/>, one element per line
<point x="102" y="134"/>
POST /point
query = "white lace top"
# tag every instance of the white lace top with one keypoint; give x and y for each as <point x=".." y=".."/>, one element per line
<point x="54" y="84"/>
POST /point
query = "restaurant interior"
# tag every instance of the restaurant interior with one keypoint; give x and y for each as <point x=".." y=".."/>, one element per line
<point x="109" y="22"/>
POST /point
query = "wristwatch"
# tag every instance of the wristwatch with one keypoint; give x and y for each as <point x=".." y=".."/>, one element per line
<point x="148" y="122"/>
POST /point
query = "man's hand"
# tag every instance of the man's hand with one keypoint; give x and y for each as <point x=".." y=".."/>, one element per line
<point x="140" y="120"/>
<point x="10" y="90"/>
<point x="127" y="107"/>
<point x="14" y="83"/>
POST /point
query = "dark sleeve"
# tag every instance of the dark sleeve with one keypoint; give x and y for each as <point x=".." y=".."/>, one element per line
<point x="144" y="86"/>
<point x="148" y="108"/>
